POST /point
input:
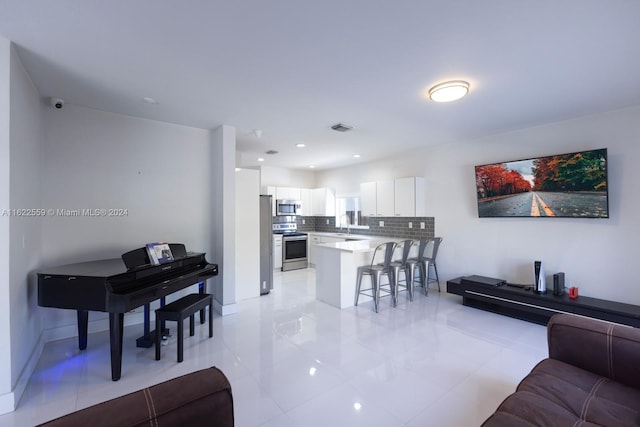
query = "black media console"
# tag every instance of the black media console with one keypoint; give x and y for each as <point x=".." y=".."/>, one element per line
<point x="525" y="304"/>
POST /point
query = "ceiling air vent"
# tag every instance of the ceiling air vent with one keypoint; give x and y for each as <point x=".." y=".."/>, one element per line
<point x="271" y="152"/>
<point x="341" y="127"/>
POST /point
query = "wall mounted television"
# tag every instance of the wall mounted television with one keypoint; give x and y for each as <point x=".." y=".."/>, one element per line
<point x="570" y="185"/>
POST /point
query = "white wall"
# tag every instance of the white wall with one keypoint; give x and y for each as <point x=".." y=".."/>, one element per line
<point x="281" y="177"/>
<point x="598" y="255"/>
<point x="347" y="180"/>
<point x="26" y="231"/>
<point x="20" y="236"/>
<point x="6" y="381"/>
<point x="247" y="234"/>
<point x="223" y="208"/>
<point x="158" y="172"/>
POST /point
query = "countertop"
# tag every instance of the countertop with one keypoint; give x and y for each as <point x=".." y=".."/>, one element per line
<point x="357" y="243"/>
<point x="342" y="235"/>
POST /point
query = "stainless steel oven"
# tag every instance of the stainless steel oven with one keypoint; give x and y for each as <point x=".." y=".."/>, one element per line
<point x="294" y="251"/>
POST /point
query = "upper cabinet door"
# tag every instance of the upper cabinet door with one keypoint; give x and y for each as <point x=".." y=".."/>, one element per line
<point x="324" y="202"/>
<point x="368" y="198"/>
<point x="385" y="199"/>
<point x="409" y="196"/>
<point x="288" y="193"/>
<point x="306" y="202"/>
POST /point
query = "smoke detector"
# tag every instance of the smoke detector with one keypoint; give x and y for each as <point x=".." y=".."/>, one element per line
<point x="341" y="127"/>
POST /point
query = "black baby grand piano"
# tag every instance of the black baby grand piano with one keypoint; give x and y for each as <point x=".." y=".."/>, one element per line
<point x="117" y="286"/>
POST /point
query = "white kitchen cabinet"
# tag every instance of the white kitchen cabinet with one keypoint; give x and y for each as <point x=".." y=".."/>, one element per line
<point x="409" y="196"/>
<point x="288" y="193"/>
<point x="306" y="202"/>
<point x="368" y="198"/>
<point x="324" y="202"/>
<point x="313" y="241"/>
<point x="377" y="198"/>
<point x="385" y="198"/>
<point x="395" y="197"/>
<point x="277" y="251"/>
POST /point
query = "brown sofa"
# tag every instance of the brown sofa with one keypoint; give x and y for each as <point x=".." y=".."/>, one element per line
<point x="592" y="377"/>
<point x="201" y="398"/>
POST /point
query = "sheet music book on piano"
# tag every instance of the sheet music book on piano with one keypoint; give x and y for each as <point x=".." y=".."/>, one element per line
<point x="159" y="253"/>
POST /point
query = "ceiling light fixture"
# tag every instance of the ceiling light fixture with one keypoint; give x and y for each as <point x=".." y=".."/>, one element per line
<point x="356" y="156"/>
<point x="311" y="166"/>
<point x="149" y="100"/>
<point x="300" y="145"/>
<point x="449" y="91"/>
<point x="260" y="159"/>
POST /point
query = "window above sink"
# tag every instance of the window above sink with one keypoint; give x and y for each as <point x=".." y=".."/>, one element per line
<point x="349" y="213"/>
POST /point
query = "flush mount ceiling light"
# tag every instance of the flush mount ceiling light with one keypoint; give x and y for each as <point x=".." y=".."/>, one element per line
<point x="449" y="91"/>
<point x="300" y="145"/>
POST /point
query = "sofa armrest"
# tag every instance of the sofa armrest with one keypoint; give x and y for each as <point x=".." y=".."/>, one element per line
<point x="199" y="398"/>
<point x="604" y="348"/>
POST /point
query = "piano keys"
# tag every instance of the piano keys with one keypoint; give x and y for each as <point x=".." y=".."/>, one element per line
<point x="116" y="286"/>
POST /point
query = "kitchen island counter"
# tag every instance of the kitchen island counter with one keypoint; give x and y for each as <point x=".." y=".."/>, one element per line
<point x="336" y="269"/>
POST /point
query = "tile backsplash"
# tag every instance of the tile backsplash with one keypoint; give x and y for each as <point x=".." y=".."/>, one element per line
<point x="393" y="226"/>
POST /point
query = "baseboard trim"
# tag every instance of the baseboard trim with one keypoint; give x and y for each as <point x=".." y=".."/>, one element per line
<point x="9" y="401"/>
<point x="225" y="310"/>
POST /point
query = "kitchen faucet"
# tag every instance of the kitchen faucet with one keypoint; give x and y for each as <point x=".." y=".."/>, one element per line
<point x="347" y="218"/>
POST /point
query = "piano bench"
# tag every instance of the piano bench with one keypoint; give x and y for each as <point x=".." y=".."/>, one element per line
<point x="177" y="311"/>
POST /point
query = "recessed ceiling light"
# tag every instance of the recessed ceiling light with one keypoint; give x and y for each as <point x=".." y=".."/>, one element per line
<point x="260" y="159"/>
<point x="300" y="145"/>
<point x="357" y="156"/>
<point x="238" y="169"/>
<point x="449" y="91"/>
<point x="311" y="166"/>
<point x="149" y="100"/>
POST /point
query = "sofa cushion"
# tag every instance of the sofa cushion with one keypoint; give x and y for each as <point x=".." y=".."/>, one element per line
<point x="558" y="394"/>
<point x="604" y="348"/>
<point x="199" y="398"/>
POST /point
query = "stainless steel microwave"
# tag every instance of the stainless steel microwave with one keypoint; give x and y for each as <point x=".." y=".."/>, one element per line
<point x="287" y="207"/>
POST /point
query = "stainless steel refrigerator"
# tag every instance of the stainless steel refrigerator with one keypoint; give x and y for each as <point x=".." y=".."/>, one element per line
<point x="266" y="245"/>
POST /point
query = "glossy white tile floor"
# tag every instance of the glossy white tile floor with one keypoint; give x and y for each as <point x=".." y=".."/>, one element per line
<point x="295" y="361"/>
